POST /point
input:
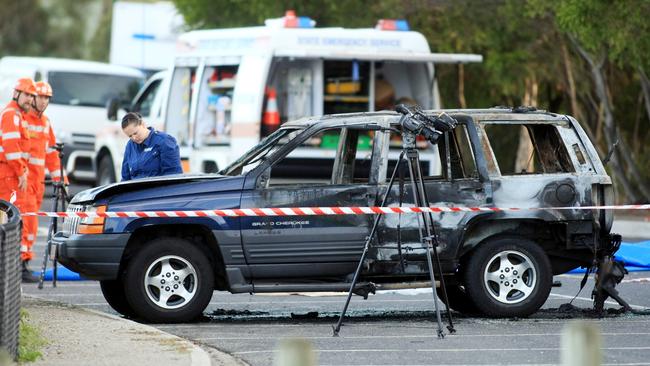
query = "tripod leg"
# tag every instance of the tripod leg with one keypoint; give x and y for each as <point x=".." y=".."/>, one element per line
<point x="62" y="196"/>
<point x="46" y="256"/>
<point x="366" y="246"/>
<point x="434" y="244"/>
<point x="337" y="328"/>
<point x="424" y="238"/>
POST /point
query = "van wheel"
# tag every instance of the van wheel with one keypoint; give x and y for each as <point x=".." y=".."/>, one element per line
<point x="113" y="291"/>
<point x="508" y="277"/>
<point x="169" y="280"/>
<point x="105" y="171"/>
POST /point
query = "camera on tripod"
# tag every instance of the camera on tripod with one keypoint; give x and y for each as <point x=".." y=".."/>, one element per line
<point x="415" y="122"/>
<point x="58" y="146"/>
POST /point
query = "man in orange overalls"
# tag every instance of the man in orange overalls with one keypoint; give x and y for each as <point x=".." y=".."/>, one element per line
<point x="14" y="146"/>
<point x="42" y="155"/>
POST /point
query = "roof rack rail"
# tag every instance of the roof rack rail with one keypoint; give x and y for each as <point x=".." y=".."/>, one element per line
<point x="524" y="109"/>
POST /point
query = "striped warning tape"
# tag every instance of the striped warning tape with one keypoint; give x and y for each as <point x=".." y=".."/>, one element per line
<point x="317" y="211"/>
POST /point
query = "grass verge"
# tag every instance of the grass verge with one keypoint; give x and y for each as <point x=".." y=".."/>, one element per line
<point x="30" y="340"/>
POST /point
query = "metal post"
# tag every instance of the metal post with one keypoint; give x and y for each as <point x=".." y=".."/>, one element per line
<point x="581" y="344"/>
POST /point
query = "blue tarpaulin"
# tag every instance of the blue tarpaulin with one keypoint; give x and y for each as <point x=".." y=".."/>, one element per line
<point x="62" y="274"/>
<point x="636" y="257"/>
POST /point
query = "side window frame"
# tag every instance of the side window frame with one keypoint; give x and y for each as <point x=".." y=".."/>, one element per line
<point x="151" y="89"/>
<point x="533" y="135"/>
<point x="262" y="174"/>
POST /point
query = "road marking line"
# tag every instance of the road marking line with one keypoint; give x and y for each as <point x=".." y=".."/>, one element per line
<point x="409" y="336"/>
<point x="631" y="280"/>
<point x="487" y="364"/>
<point x="449" y="350"/>
<point x="638" y="307"/>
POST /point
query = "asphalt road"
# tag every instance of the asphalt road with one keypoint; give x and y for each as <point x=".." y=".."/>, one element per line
<point x="395" y="328"/>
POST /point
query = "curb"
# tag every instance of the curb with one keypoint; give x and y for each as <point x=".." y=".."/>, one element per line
<point x="198" y="356"/>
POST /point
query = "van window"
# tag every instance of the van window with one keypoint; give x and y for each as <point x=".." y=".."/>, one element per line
<point x="92" y="90"/>
<point x="180" y="100"/>
<point x="294" y="83"/>
<point x="213" y="118"/>
<point x="143" y="105"/>
<point x="346" y="88"/>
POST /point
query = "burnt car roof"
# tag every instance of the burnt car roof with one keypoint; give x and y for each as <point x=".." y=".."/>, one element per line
<point x="487" y="114"/>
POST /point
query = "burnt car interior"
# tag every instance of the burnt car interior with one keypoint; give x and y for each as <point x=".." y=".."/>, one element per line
<point x="352" y="148"/>
<point x="546" y="151"/>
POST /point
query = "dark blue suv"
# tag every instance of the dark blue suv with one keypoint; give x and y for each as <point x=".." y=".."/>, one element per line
<point x="164" y="269"/>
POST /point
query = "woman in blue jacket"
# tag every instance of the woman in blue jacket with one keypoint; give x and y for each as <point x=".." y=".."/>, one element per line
<point x="148" y="153"/>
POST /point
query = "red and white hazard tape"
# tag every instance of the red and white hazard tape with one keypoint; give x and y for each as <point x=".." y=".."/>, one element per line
<point x="317" y="211"/>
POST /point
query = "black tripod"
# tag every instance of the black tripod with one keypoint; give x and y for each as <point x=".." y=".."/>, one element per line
<point x="413" y="122"/>
<point x="59" y="199"/>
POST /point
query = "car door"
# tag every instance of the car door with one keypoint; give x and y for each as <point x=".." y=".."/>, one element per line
<point x="310" y="176"/>
<point x="457" y="180"/>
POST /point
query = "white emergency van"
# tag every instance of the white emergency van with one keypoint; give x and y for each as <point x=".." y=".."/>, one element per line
<point x="228" y="88"/>
<point x="78" y="107"/>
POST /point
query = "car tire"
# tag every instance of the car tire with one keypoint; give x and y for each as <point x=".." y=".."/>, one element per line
<point x="113" y="291"/>
<point x="169" y="280"/>
<point x="508" y="277"/>
<point x="459" y="300"/>
<point x="105" y="171"/>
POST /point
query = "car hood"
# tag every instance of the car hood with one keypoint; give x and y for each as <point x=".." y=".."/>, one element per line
<point x="137" y="184"/>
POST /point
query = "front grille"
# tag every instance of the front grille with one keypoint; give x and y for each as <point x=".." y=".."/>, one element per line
<point x="71" y="224"/>
<point x="82" y="140"/>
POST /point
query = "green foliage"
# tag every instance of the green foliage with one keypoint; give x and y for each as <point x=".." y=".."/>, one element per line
<point x="23" y="27"/>
<point x="100" y="43"/>
<point x="44" y="28"/>
<point x="237" y="13"/>
<point x="30" y="340"/>
<point x="619" y="28"/>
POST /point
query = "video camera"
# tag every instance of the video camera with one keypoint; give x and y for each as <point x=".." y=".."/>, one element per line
<point x="414" y="121"/>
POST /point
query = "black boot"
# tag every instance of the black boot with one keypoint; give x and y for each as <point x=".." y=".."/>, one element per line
<point x="28" y="276"/>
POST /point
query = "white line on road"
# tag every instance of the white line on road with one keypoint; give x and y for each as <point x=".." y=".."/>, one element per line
<point x="487" y="364"/>
<point x="449" y="350"/>
<point x="410" y="336"/>
<point x="638" y="307"/>
<point x="632" y="280"/>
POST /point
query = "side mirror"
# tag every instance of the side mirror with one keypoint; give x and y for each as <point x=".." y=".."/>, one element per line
<point x="112" y="106"/>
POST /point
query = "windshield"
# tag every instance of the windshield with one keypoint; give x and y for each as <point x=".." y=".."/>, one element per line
<point x="92" y="90"/>
<point x="251" y="159"/>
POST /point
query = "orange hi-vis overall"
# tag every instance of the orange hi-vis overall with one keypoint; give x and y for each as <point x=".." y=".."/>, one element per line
<point x="14" y="152"/>
<point x="42" y="156"/>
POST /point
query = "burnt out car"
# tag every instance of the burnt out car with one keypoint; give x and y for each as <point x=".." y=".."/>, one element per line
<point x="164" y="269"/>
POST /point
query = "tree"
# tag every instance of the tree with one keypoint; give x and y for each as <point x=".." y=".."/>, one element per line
<point x="38" y="28"/>
<point x="619" y="32"/>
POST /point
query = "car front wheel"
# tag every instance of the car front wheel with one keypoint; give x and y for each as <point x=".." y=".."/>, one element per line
<point x="508" y="277"/>
<point x="113" y="291"/>
<point x="169" y="280"/>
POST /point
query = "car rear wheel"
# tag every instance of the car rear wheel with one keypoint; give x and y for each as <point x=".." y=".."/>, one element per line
<point x="169" y="280"/>
<point x="113" y="292"/>
<point x="508" y="276"/>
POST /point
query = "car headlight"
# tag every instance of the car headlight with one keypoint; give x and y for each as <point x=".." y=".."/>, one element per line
<point x="93" y="225"/>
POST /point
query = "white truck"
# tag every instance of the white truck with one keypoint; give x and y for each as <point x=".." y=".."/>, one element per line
<point x="78" y="107"/>
<point x="227" y="88"/>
